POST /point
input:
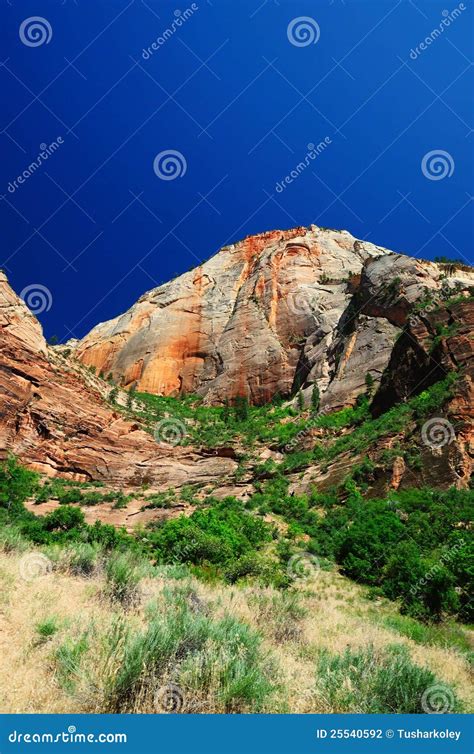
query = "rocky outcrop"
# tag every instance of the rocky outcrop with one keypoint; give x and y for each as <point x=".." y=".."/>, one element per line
<point x="235" y="325"/>
<point x="54" y="419"/>
<point x="275" y="312"/>
<point x="16" y="318"/>
<point x="433" y="344"/>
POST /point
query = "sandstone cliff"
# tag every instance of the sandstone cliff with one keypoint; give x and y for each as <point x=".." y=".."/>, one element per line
<point x="276" y="313"/>
<point x="268" y="314"/>
<point x="54" y="418"/>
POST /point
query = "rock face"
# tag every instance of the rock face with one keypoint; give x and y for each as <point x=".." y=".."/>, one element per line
<point x="433" y="344"/>
<point x="276" y="311"/>
<point x="16" y="319"/>
<point x="54" y="419"/>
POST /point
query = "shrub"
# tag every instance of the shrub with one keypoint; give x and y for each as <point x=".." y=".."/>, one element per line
<point x="123" y="574"/>
<point x="219" y="535"/>
<point x="83" y="558"/>
<point x="215" y="665"/>
<point x="371" y="681"/>
<point x="16" y="484"/>
<point x="64" y="519"/>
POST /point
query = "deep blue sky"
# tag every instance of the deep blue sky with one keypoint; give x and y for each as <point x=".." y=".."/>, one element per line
<point x="231" y="93"/>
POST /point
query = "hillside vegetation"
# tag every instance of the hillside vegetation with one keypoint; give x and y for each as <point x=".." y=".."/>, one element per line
<point x="322" y="602"/>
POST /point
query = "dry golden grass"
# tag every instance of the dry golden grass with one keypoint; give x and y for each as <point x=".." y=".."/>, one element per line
<point x="337" y="615"/>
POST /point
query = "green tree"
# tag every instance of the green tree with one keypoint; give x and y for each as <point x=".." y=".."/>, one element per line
<point x="16" y="484"/>
<point x="131" y="396"/>
<point x="241" y="408"/>
<point x="64" y="518"/>
<point x="315" y="398"/>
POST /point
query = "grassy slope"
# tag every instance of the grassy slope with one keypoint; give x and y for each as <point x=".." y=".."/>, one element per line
<point x="44" y="619"/>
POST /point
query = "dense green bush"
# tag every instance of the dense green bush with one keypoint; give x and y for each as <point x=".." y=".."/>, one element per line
<point x="16" y="485"/>
<point x="219" y="535"/>
<point x="417" y="546"/>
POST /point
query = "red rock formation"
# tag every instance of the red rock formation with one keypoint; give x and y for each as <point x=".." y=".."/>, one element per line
<point x="56" y="421"/>
<point x="276" y="310"/>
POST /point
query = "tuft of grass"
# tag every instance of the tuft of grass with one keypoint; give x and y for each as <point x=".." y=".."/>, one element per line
<point x="83" y="558"/>
<point x="371" y="681"/>
<point x="123" y="573"/>
<point x="69" y="656"/>
<point x="47" y="628"/>
<point x="281" y="613"/>
<point x="12" y="540"/>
